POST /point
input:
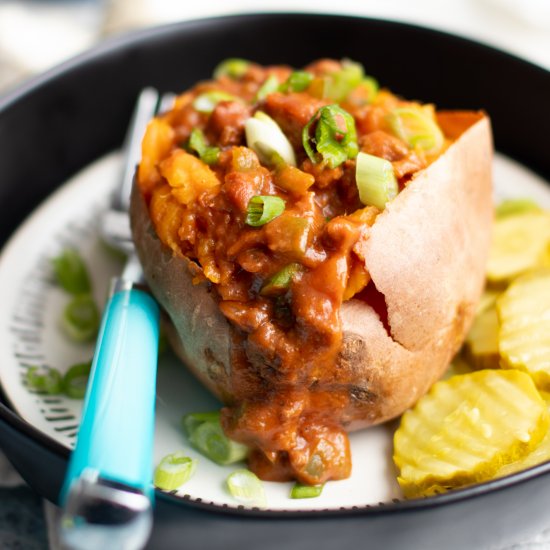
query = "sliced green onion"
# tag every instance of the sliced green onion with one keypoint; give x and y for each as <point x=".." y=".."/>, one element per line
<point x="80" y="319"/>
<point x="173" y="471"/>
<point x="376" y="180"/>
<point x="306" y="491"/>
<point x="298" y="81"/>
<point x="197" y="143"/>
<point x="233" y="68"/>
<point x="417" y="129"/>
<point x="71" y="272"/>
<point x="263" y="209"/>
<point x="340" y="83"/>
<point x="270" y="86"/>
<point x="206" y="102"/>
<point x="335" y="138"/>
<point x="75" y="380"/>
<point x="192" y="421"/>
<point x="372" y="87"/>
<point x="245" y="487"/>
<point x="47" y="380"/>
<point x="280" y="282"/>
<point x="267" y="140"/>
<point x="509" y="207"/>
<point x="205" y="433"/>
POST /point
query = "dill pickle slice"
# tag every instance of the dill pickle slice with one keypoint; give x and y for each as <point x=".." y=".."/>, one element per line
<point x="520" y="242"/>
<point x="482" y="340"/>
<point x="487" y="300"/>
<point x="466" y="428"/>
<point x="540" y="454"/>
<point x="524" y="338"/>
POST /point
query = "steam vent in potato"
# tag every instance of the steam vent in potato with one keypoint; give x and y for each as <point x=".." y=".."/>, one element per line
<point x="319" y="245"/>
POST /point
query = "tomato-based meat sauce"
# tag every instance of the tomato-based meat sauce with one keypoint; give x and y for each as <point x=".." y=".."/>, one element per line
<point x="269" y="179"/>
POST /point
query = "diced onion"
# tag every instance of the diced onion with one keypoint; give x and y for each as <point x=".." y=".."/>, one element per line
<point x="267" y="140"/>
<point x="245" y="487"/>
<point x="376" y="180"/>
<point x="173" y="471"/>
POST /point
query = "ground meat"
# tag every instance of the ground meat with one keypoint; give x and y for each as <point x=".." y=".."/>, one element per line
<point x="226" y="123"/>
<point x="292" y="112"/>
<point x="381" y="144"/>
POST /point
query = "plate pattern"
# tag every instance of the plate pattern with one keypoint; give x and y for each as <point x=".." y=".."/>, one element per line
<point x="30" y="336"/>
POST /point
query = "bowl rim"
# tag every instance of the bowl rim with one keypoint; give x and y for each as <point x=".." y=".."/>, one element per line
<point x="126" y="40"/>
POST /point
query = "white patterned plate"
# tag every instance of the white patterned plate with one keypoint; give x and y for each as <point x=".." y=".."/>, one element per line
<point x="29" y="335"/>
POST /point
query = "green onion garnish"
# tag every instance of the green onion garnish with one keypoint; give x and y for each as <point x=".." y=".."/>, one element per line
<point x="417" y="129"/>
<point x="71" y="272"/>
<point x="245" y="487"/>
<point x="233" y="68"/>
<point x="205" y="433"/>
<point x="339" y="84"/>
<point x="280" y="282"/>
<point x="335" y="138"/>
<point x="298" y="81"/>
<point x="306" y="491"/>
<point x="76" y="379"/>
<point x="197" y="143"/>
<point x="267" y="140"/>
<point x="192" y="421"/>
<point x="206" y="102"/>
<point x="173" y="471"/>
<point x="376" y="180"/>
<point x="263" y="209"/>
<point x="510" y="207"/>
<point x="80" y="319"/>
<point x="371" y="86"/>
<point x="44" y="381"/>
<point x="270" y="86"/>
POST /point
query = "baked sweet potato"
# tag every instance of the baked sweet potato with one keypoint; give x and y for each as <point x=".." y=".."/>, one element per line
<point x="417" y="275"/>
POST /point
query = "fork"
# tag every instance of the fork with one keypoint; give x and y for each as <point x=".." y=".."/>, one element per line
<point x="107" y="494"/>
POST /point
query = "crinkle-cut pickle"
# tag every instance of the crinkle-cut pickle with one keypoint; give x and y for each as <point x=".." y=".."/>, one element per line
<point x="524" y="314"/>
<point x="520" y="242"/>
<point x="466" y="428"/>
<point x="482" y="340"/>
<point x="537" y="456"/>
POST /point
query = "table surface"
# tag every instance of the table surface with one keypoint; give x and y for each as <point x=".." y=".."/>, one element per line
<point x="519" y="27"/>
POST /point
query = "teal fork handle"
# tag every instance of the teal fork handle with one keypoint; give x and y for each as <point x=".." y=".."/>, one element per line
<point x="115" y="439"/>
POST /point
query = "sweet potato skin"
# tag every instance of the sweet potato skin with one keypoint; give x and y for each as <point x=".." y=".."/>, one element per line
<point x="426" y="254"/>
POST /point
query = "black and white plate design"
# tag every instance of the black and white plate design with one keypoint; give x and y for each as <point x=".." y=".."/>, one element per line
<point x="31" y="305"/>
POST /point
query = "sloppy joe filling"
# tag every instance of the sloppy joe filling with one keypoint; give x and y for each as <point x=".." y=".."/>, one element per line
<point x="282" y="268"/>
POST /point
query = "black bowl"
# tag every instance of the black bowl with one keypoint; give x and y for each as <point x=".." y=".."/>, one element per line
<point x="56" y="124"/>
